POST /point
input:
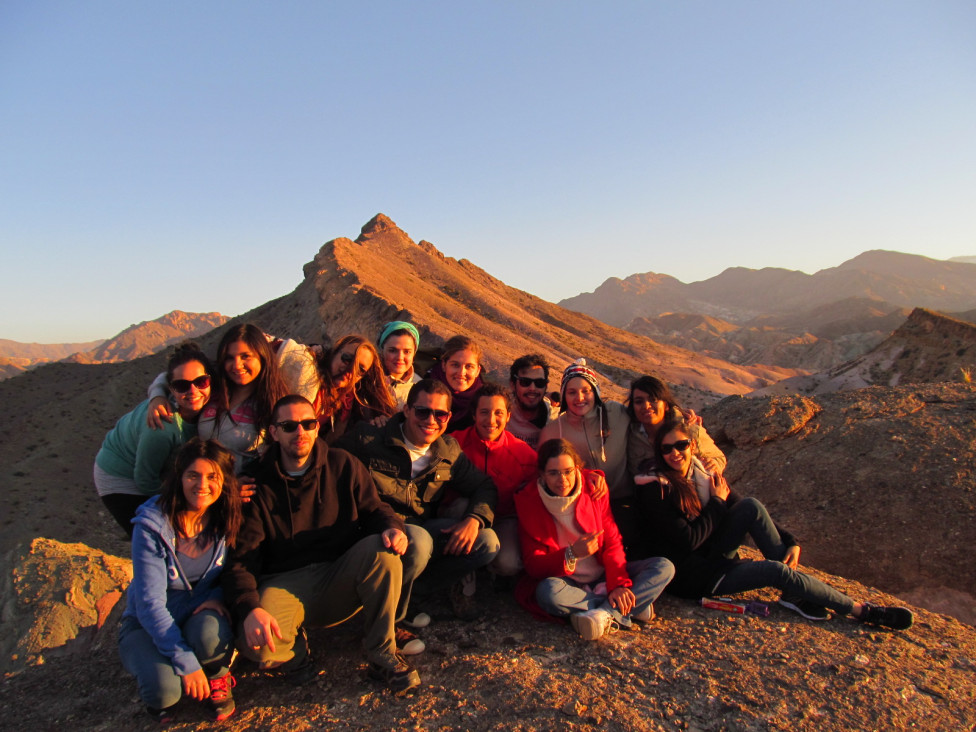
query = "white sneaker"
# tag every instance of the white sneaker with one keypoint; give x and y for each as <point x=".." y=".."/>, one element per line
<point x="591" y="625"/>
<point x="420" y="620"/>
<point x="644" y="616"/>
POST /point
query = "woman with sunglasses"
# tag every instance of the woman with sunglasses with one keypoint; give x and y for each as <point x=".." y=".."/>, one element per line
<point x="460" y="368"/>
<point x="130" y="465"/>
<point x="175" y="635"/>
<point x="651" y="403"/>
<point x="353" y="387"/>
<point x="691" y="517"/>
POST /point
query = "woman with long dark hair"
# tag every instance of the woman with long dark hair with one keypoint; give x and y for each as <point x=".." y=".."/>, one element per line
<point x="692" y="517"/>
<point x="247" y="385"/>
<point x="176" y="636"/>
<point x="131" y="463"/>
<point x="353" y="387"/>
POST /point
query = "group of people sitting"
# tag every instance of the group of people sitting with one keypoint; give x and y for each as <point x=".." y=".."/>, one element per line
<point x="313" y="484"/>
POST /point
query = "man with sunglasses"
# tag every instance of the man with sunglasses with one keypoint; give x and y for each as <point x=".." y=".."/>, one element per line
<point x="531" y="411"/>
<point x="317" y="546"/>
<point x="414" y="465"/>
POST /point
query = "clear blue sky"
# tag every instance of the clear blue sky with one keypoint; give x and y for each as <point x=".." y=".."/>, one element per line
<point x="164" y="155"/>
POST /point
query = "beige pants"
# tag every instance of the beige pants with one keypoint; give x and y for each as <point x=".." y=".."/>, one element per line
<point x="367" y="577"/>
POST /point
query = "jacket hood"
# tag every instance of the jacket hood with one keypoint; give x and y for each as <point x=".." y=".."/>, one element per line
<point x="150" y="516"/>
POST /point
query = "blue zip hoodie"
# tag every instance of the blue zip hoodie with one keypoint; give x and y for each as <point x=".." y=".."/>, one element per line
<point x="160" y="597"/>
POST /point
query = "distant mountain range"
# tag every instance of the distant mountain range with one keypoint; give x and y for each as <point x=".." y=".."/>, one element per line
<point x="137" y="340"/>
<point x="781" y="317"/>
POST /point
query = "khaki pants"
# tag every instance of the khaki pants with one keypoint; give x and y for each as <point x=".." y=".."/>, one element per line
<point x="367" y="577"/>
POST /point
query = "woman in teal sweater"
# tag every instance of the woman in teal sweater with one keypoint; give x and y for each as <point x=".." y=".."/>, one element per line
<point x="130" y="466"/>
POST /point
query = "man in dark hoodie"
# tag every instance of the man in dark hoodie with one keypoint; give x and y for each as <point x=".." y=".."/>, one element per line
<point x="317" y="546"/>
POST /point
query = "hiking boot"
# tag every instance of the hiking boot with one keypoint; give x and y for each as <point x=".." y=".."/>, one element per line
<point x="593" y="624"/>
<point x="221" y="696"/>
<point x="407" y="643"/>
<point x="646" y="615"/>
<point x="399" y="679"/>
<point x="806" y="608"/>
<point x="896" y="618"/>
<point x="462" y="599"/>
<point x="163" y="716"/>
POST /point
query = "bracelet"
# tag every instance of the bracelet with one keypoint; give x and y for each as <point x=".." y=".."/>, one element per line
<point x="570" y="558"/>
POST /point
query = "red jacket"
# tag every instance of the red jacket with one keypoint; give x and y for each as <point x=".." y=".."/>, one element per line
<point x="508" y="461"/>
<point x="542" y="554"/>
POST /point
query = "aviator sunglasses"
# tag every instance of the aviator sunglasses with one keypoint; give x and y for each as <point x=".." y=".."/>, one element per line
<point x="423" y="414"/>
<point x="680" y="446"/>
<point x="290" y="425"/>
<point x="182" y="386"/>
<point x="525" y="382"/>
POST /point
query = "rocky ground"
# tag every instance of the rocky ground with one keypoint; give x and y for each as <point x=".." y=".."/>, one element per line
<point x="690" y="669"/>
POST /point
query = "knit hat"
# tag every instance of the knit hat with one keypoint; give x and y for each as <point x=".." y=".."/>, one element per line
<point x="580" y="369"/>
<point x="396" y="325"/>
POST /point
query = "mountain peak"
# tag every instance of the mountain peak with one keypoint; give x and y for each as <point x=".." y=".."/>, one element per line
<point x="379" y="224"/>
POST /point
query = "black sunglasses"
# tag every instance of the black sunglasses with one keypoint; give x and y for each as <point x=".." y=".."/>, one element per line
<point x="290" y="425"/>
<point x="182" y="386"/>
<point x="423" y="414"/>
<point x="680" y="446"/>
<point x="525" y="381"/>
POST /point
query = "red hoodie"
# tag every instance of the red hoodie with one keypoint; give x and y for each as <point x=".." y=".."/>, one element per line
<point x="508" y="461"/>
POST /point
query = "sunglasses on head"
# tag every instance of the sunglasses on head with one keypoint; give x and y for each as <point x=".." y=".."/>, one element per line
<point x="423" y="414"/>
<point x="290" y="425"/>
<point x="182" y="386"/>
<point x="680" y="446"/>
<point x="525" y="382"/>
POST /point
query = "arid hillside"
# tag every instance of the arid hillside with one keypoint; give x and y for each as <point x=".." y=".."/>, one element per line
<point x="739" y="294"/>
<point x="356" y="286"/>
<point x="877" y="482"/>
<point x="927" y="347"/>
<point x="151" y="336"/>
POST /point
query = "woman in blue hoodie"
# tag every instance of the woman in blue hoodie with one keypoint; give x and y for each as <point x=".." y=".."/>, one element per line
<point x="176" y="637"/>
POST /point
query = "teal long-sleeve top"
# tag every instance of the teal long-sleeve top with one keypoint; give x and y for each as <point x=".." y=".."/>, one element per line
<point x="133" y="450"/>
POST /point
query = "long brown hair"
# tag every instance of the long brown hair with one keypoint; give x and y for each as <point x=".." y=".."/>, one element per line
<point x="225" y="514"/>
<point x="681" y="487"/>
<point x="269" y="386"/>
<point x="370" y="390"/>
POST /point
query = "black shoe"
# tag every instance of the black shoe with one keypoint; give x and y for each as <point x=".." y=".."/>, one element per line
<point x="221" y="697"/>
<point x="806" y="608"/>
<point x="399" y="679"/>
<point x="896" y="618"/>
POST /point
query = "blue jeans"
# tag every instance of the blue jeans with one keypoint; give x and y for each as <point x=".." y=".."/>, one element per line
<point x="562" y="596"/>
<point x="749" y="516"/>
<point x="427" y="544"/>
<point x="207" y="633"/>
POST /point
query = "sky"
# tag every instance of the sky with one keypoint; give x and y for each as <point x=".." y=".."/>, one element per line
<point x="194" y="156"/>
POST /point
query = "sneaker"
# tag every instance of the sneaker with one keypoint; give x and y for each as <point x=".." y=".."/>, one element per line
<point x="646" y="615"/>
<point x="399" y="679"/>
<point x="221" y="696"/>
<point x="591" y="625"/>
<point x="407" y="643"/>
<point x="462" y="603"/>
<point x="420" y="620"/>
<point x="809" y="610"/>
<point x="896" y="618"/>
<point x="163" y="716"/>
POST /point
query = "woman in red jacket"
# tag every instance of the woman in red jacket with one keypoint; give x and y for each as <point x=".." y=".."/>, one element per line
<point x="572" y="551"/>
